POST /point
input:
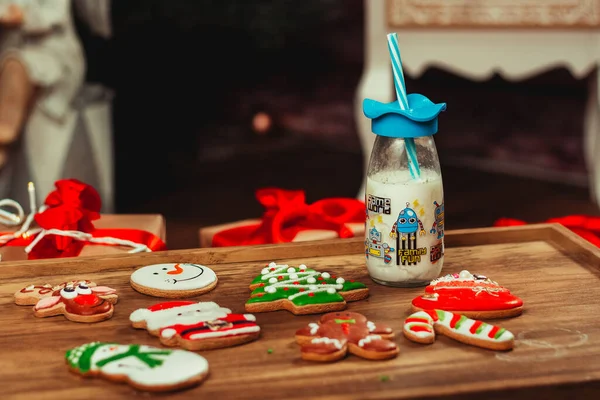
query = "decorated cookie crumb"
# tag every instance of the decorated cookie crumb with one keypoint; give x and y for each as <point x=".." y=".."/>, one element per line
<point x="422" y="326"/>
<point x="143" y="367"/>
<point x="340" y="333"/>
<point x="472" y="295"/>
<point x="196" y="326"/>
<point x="174" y="280"/>
<point x="301" y="290"/>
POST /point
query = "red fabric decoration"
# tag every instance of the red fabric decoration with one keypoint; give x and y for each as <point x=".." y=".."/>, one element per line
<point x="585" y="226"/>
<point x="287" y="214"/>
<point x="73" y="206"/>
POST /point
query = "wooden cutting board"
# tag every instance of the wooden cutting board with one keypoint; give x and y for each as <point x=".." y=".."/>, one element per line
<point x="557" y="351"/>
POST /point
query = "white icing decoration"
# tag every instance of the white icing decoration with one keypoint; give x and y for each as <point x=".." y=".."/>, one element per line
<point x="68" y="294"/>
<point x="178" y="365"/>
<point x="290" y="277"/>
<point x="213" y="334"/>
<point x="192" y="276"/>
<point x="326" y="275"/>
<point x="272" y="280"/>
<point x="30" y="287"/>
<point x="264" y="271"/>
<point x="168" y="333"/>
<point x="464" y="274"/>
<point x="184" y="315"/>
<point x="272" y="264"/>
<point x="302" y="266"/>
<point x="368" y="339"/>
<point x="326" y="340"/>
<point x="250" y="317"/>
<point x="463" y="329"/>
<point x="340" y="280"/>
<point x="370" y="326"/>
<point x="83" y="290"/>
<point x="313" y="328"/>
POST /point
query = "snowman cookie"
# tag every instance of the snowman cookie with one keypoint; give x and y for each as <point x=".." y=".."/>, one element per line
<point x="143" y="367"/>
<point x="174" y="280"/>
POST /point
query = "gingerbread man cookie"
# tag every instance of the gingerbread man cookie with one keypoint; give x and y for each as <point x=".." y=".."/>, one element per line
<point x="143" y="367"/>
<point x="422" y="326"/>
<point x="78" y="301"/>
<point x="472" y="295"/>
<point x="196" y="326"/>
<point x="340" y="333"/>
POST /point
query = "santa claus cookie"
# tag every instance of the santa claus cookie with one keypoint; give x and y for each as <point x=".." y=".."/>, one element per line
<point x="472" y="295"/>
<point x="174" y="280"/>
<point x="301" y="290"/>
<point x="422" y="326"/>
<point x="196" y="326"/>
<point x="79" y="301"/>
<point x="143" y="367"/>
<point x="340" y="333"/>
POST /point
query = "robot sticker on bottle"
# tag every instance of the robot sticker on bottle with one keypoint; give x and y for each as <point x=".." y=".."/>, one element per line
<point x="437" y="251"/>
<point x="405" y="231"/>
<point x="374" y="247"/>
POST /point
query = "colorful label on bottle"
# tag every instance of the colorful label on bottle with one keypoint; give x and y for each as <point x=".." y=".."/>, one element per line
<point x="404" y="235"/>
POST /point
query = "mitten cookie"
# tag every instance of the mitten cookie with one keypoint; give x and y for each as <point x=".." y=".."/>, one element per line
<point x="143" y="367"/>
<point x="78" y="301"/>
<point x="301" y="290"/>
<point x="196" y="326"/>
<point x="422" y="326"/>
<point x="472" y="295"/>
<point x="174" y="280"/>
<point x="340" y="333"/>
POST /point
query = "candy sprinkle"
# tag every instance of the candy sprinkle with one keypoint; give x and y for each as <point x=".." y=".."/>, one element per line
<point x="384" y="378"/>
<point x="269" y="351"/>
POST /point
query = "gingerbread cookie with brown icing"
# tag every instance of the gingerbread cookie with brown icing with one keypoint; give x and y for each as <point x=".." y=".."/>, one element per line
<point x="78" y="301"/>
<point x="340" y="333"/>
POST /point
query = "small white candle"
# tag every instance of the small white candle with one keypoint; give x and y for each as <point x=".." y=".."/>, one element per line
<point x="31" y="190"/>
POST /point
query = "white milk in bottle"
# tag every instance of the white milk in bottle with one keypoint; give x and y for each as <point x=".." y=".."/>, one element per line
<point x="404" y="231"/>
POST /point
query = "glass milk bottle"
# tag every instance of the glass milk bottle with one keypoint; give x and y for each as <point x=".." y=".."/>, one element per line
<point x="404" y="235"/>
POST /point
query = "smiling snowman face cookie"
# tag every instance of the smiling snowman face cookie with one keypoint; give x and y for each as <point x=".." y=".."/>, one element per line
<point x="174" y="280"/>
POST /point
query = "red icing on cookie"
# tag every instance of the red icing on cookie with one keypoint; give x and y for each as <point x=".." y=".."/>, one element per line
<point x="466" y="292"/>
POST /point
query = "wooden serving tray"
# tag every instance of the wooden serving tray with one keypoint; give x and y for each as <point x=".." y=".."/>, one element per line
<point x="557" y="353"/>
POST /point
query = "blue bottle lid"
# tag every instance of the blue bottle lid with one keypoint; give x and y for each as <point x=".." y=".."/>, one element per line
<point x="387" y="119"/>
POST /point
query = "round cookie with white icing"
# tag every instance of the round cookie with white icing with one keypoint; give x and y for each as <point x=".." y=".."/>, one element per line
<point x="174" y="280"/>
<point x="142" y="367"/>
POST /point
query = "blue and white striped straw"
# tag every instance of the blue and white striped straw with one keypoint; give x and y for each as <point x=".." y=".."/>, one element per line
<point x="411" y="150"/>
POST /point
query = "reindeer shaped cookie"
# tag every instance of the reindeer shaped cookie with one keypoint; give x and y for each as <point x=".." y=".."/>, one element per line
<point x="78" y="301"/>
<point x="339" y="333"/>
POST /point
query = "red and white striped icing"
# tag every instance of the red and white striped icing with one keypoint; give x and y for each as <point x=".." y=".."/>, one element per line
<point x="421" y="324"/>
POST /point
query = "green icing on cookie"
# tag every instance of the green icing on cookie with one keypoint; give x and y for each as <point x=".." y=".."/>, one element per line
<point x="499" y="333"/>
<point x="441" y="314"/>
<point x="480" y="328"/>
<point x="302" y="286"/>
<point x="460" y="321"/>
<point x="317" y="298"/>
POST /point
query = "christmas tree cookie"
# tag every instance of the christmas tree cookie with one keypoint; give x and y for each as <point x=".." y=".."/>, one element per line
<point x="422" y="326"/>
<point x="143" y="367"/>
<point x="301" y="290"/>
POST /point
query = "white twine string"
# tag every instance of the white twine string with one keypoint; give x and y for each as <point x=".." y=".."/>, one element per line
<point x="14" y="219"/>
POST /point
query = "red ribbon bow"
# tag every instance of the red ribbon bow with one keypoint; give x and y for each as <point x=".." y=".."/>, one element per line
<point x="73" y="206"/>
<point x="287" y="214"/>
<point x="584" y="226"/>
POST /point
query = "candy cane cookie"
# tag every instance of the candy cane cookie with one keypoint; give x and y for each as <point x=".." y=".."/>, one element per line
<point x="422" y="326"/>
